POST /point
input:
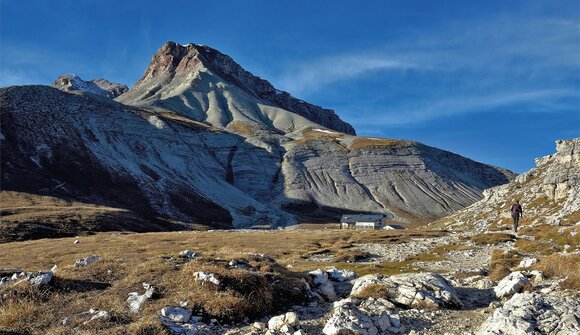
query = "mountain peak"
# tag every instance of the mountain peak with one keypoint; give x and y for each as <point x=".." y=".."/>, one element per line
<point x="103" y="87"/>
<point x="177" y="72"/>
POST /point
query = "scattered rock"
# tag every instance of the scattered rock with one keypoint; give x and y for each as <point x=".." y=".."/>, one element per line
<point x="415" y="289"/>
<point x="206" y="277"/>
<point x="512" y="283"/>
<point x="97" y="315"/>
<point x="135" y="299"/>
<point x="36" y="278"/>
<point x="77" y="242"/>
<point x="86" y="261"/>
<point x="260" y="325"/>
<point x="285" y="323"/>
<point x="238" y="264"/>
<point x="534" y="313"/>
<point x="187" y="254"/>
<point x="527" y="262"/>
<point x="176" y="314"/>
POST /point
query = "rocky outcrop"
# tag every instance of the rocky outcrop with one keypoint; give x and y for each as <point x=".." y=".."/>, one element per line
<point x="411" y="290"/>
<point x="549" y="193"/>
<point x="512" y="283"/>
<point x="206" y="85"/>
<point x="103" y="87"/>
<point x="369" y="317"/>
<point x="534" y="314"/>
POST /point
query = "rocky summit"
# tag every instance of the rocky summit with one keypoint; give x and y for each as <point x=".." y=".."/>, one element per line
<point x="103" y="87"/>
<point x="199" y="141"/>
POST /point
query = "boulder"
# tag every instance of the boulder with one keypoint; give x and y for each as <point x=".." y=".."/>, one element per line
<point x="412" y="290"/>
<point x="176" y="314"/>
<point x="135" y="299"/>
<point x="86" y="261"/>
<point x="370" y="317"/>
<point x="534" y="313"/>
<point x="512" y="283"/>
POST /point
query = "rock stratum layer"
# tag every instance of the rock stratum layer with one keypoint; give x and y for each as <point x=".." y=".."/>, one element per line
<point x="199" y="140"/>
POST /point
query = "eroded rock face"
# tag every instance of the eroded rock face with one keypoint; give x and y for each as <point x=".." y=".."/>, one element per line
<point x="412" y="290"/>
<point x="534" y="314"/>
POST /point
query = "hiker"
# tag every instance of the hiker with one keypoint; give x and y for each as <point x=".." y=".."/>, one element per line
<point x="516" y="213"/>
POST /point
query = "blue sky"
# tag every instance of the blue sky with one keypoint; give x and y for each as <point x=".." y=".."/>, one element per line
<point x="496" y="81"/>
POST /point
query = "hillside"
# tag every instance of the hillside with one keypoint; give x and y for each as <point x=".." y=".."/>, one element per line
<point x="200" y="142"/>
<point x="549" y="194"/>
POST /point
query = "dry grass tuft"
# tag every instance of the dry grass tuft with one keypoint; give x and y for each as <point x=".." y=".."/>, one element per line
<point x="562" y="266"/>
<point x="372" y="143"/>
<point x="492" y="238"/>
<point x="501" y="263"/>
<point x="374" y="291"/>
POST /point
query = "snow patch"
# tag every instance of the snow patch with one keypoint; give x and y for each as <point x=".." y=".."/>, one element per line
<point x="325" y="131"/>
<point x="157" y="122"/>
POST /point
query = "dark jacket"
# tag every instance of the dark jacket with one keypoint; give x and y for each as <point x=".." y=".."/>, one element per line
<point x="516" y="209"/>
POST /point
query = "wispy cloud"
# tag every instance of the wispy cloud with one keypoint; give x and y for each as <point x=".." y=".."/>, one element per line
<point x="537" y="101"/>
<point x="313" y="75"/>
<point x="469" y="67"/>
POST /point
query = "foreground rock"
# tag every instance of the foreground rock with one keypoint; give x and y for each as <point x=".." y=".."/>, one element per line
<point x="411" y="290"/>
<point x="36" y="278"/>
<point x="533" y="313"/>
<point x="286" y="323"/>
<point x="322" y="287"/>
<point x="513" y="283"/>
<point x="135" y="299"/>
<point x="370" y="317"/>
<point x="86" y="261"/>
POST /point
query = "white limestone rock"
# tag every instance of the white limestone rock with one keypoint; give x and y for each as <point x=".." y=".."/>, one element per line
<point x="206" y="277"/>
<point x="340" y="275"/>
<point x="370" y="317"/>
<point x="534" y="314"/>
<point x="511" y="284"/>
<point x="176" y="314"/>
<point x="415" y="289"/>
<point x="528" y="262"/>
<point x="187" y="254"/>
<point x="86" y="261"/>
<point x="135" y="299"/>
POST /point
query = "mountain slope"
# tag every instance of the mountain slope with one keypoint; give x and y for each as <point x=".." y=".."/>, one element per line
<point x="549" y="194"/>
<point x="234" y="159"/>
<point x="201" y="83"/>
